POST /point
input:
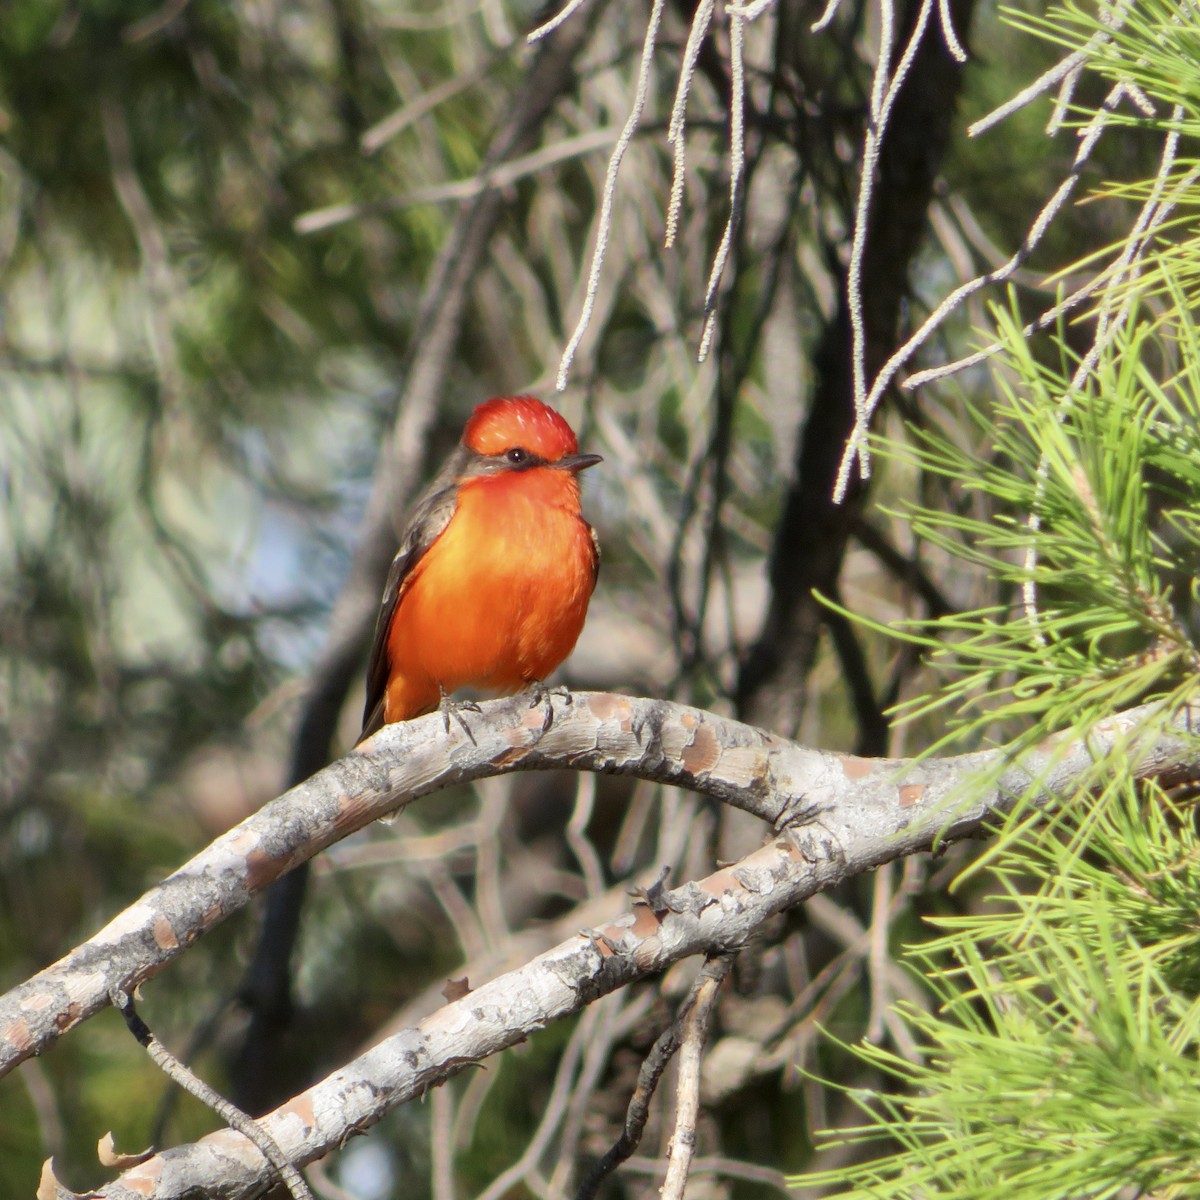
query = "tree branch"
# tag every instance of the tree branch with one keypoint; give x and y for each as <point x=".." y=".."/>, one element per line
<point x="687" y="1103"/>
<point x="837" y="816"/>
<point x="849" y="815"/>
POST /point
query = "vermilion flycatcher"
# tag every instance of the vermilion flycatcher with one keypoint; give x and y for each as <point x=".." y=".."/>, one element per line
<point x="492" y="580"/>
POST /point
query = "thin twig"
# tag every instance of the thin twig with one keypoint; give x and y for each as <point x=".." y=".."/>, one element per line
<point x="550" y="26"/>
<point x="604" y="224"/>
<point x="948" y="35"/>
<point x="383" y="131"/>
<point x="727" y="1168"/>
<point x="491" y="178"/>
<point x="441" y="1144"/>
<point x="325" y="1188"/>
<point x="556" y="1105"/>
<point x="878" y="959"/>
<point x="876" y="124"/>
<point x="1044" y="321"/>
<point x="458" y="910"/>
<point x="1062" y="102"/>
<point x="691" y="1051"/>
<point x="1128" y="265"/>
<point x="1039" y="87"/>
<point x="1065" y="73"/>
<point x="577" y="838"/>
<point x="44" y="1103"/>
<point x="675" y="130"/>
<point x="190" y="1082"/>
<point x="1103" y="279"/>
<point x="1091" y="134"/>
<point x="823" y="20"/>
<point x="709" y="474"/>
<point x="496" y="22"/>
<point x="884" y="90"/>
<point x="737" y="167"/>
<point x="151" y="243"/>
<point x="751" y="11"/>
<point x="653" y="1066"/>
<point x="620" y="1019"/>
<point x="496" y="797"/>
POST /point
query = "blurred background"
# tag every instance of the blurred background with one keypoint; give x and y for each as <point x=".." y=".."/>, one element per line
<point x="252" y="281"/>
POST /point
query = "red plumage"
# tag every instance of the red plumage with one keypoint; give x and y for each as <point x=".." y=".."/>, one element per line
<point x="491" y="585"/>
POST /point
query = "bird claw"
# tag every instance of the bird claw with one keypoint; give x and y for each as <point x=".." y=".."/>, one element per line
<point x="449" y="707"/>
<point x="544" y="695"/>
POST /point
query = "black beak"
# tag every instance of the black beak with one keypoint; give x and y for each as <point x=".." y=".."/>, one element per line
<point x="576" y="462"/>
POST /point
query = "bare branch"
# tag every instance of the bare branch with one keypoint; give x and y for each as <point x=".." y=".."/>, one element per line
<point x="878" y="954"/>
<point x="655" y="1063"/>
<point x="383" y="131"/>
<point x="727" y="1168"/>
<point x="151" y="242"/>
<point x="604" y="222"/>
<point x="490" y="178"/>
<point x="948" y="34"/>
<point x="1062" y="102"/>
<point x="441" y="1144"/>
<point x="691" y="1050"/>
<point x="1039" y="87"/>
<point x="550" y="26"/>
<point x="637" y="1113"/>
<point x="192" y="1083"/>
<point x="1064" y="75"/>
<point x="840" y="816"/>
<point x="1150" y="219"/>
<point x="577" y="839"/>
<point x="823" y="20"/>
<point x="1128" y="265"/>
<point x="737" y="168"/>
<point x="1048" y="318"/>
<point x="675" y="130"/>
<point x="885" y="88"/>
<point x="555" y="1110"/>
<point x="856" y="445"/>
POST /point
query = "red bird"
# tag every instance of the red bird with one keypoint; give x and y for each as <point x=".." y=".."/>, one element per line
<point x="491" y="584"/>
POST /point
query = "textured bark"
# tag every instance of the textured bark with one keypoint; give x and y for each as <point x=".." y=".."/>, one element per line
<point x="851" y="813"/>
<point x="834" y="815"/>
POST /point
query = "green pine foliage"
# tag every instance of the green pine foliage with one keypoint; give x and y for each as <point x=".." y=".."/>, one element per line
<point x="1061" y="1060"/>
<point x="1062" y="1056"/>
<point x="1089" y="531"/>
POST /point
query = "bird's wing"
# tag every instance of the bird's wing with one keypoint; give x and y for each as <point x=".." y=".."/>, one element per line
<point x="595" y="553"/>
<point x="428" y="521"/>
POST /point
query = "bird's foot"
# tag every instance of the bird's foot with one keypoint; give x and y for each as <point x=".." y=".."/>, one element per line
<point x="449" y="707"/>
<point x="541" y="694"/>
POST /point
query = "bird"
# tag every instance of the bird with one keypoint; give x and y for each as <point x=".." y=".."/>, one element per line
<point x="496" y="566"/>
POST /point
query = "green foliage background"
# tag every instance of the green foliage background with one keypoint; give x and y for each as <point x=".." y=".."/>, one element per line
<point x="1061" y="1056"/>
<point x="194" y="393"/>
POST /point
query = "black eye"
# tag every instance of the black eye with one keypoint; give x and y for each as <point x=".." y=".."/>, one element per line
<point x="517" y="456"/>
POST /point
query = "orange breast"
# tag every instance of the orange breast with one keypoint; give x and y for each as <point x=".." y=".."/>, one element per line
<point x="499" y="599"/>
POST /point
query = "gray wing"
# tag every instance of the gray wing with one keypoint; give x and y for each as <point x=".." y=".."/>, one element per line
<point x="428" y="521"/>
<point x="595" y="553"/>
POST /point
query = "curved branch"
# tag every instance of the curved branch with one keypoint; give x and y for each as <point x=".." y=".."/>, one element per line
<point x="837" y="816"/>
<point x="852" y="814"/>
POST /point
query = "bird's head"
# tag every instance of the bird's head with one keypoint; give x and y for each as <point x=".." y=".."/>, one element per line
<point x="519" y="433"/>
